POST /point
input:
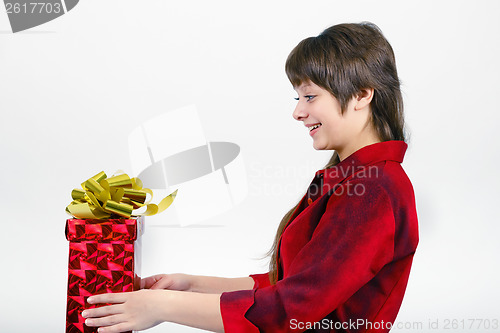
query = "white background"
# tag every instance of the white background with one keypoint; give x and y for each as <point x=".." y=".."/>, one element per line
<point x="71" y="90"/>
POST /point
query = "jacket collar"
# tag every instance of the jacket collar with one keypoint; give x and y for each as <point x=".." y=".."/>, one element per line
<point x="393" y="150"/>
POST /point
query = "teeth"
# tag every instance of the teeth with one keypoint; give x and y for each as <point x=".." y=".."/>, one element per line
<point x="314" y="126"/>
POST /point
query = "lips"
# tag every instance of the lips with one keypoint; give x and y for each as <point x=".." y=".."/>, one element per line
<point x="313" y="126"/>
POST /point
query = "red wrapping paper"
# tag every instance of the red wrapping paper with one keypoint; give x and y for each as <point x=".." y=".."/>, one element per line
<point x="104" y="257"/>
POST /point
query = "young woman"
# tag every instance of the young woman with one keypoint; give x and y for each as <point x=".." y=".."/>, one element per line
<point x="342" y="256"/>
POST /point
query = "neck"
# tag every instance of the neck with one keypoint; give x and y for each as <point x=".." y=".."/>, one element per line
<point x="346" y="153"/>
<point x="366" y="140"/>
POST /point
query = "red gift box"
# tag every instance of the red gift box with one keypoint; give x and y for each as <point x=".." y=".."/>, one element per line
<point x="104" y="257"/>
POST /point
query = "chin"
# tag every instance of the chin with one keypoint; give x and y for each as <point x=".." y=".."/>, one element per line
<point x="317" y="147"/>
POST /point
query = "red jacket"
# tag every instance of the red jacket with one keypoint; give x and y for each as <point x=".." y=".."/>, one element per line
<point x="345" y="255"/>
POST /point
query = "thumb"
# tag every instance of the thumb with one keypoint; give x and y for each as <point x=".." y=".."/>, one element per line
<point x="164" y="282"/>
<point x="148" y="282"/>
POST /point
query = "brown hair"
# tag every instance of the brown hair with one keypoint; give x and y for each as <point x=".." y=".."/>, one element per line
<point x="344" y="59"/>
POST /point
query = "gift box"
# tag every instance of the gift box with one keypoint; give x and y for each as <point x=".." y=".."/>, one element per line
<point x="105" y="240"/>
<point x="104" y="257"/>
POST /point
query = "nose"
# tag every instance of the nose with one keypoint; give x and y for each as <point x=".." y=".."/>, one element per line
<point x="299" y="113"/>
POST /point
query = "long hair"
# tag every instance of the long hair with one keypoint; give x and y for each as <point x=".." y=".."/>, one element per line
<point x="344" y="59"/>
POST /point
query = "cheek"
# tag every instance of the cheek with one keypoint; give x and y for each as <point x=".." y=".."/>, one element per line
<point x="333" y="126"/>
<point x="334" y="131"/>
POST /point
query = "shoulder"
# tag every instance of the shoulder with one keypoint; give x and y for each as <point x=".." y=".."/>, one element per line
<point x="382" y="192"/>
<point x="387" y="179"/>
<point x="360" y="194"/>
<point x="360" y="201"/>
<point x="374" y="189"/>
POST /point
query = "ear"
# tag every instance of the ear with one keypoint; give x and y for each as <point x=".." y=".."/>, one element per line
<point x="363" y="98"/>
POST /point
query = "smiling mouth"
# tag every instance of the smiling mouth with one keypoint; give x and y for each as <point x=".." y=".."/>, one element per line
<point x="314" y="127"/>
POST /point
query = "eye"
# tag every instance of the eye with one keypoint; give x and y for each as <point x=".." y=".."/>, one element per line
<point x="307" y="97"/>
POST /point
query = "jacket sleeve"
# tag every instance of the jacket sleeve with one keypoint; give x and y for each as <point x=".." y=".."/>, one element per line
<point x="260" y="280"/>
<point x="353" y="240"/>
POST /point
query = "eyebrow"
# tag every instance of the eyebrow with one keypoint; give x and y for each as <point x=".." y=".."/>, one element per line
<point x="302" y="86"/>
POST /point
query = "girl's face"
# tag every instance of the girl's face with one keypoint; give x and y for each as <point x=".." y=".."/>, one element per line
<point x="320" y="112"/>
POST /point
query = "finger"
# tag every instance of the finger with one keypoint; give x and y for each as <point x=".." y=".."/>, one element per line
<point x="105" y="321"/>
<point x="121" y="327"/>
<point x="103" y="311"/>
<point x="108" y="298"/>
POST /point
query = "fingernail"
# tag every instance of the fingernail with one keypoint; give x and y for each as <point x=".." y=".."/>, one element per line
<point x="84" y="314"/>
<point x="89" y="300"/>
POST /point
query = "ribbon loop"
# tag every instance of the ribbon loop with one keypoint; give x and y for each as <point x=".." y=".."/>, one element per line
<point x="114" y="197"/>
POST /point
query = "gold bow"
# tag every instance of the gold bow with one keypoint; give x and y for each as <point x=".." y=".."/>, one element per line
<point x="103" y="198"/>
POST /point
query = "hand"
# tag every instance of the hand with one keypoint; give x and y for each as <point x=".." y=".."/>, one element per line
<point x="137" y="310"/>
<point x="177" y="281"/>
